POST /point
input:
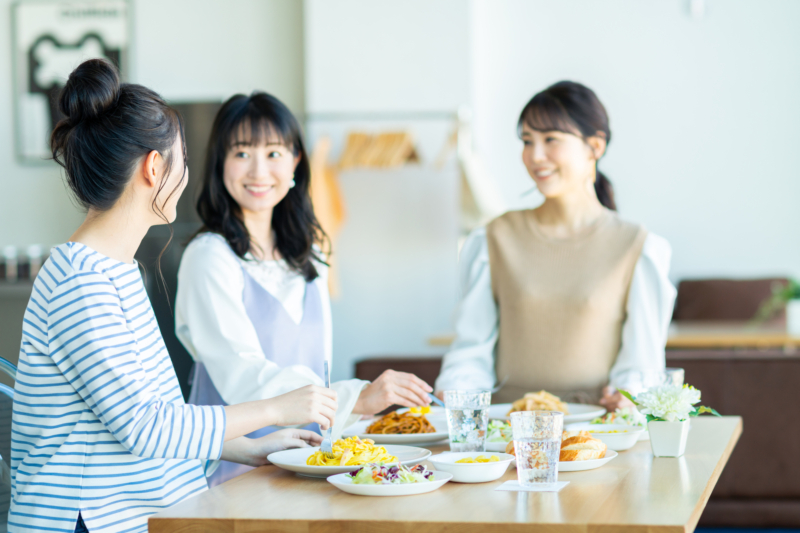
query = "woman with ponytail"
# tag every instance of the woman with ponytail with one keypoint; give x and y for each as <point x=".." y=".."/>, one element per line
<point x="567" y="297"/>
<point x="101" y="436"/>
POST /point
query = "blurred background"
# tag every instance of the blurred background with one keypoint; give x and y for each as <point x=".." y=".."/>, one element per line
<point x="704" y="108"/>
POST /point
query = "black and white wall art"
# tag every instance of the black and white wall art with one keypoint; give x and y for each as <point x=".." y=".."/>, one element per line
<point x="51" y="38"/>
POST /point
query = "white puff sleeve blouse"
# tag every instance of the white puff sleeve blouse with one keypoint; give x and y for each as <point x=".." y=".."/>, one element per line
<point x="212" y="323"/>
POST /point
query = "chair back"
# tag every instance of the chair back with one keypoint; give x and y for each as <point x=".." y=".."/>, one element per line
<point x="7" y="367"/>
<point x="6" y="407"/>
<point x="724" y="299"/>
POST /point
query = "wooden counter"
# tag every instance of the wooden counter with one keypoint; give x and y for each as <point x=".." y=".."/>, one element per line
<point x="719" y="335"/>
<point x="635" y="493"/>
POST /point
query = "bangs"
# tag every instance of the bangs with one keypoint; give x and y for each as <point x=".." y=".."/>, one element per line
<point x="253" y="128"/>
<point x="546" y="113"/>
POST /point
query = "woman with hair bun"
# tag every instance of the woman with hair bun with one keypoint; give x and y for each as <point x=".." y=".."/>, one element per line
<point x="253" y="307"/>
<point x="102" y="438"/>
<point x="567" y="297"/>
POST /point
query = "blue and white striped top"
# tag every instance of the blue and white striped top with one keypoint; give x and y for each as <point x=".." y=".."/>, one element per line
<point x="99" y="424"/>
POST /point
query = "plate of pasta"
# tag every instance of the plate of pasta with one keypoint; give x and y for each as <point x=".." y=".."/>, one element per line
<point x="544" y="401"/>
<point x="349" y="453"/>
<point x="401" y="427"/>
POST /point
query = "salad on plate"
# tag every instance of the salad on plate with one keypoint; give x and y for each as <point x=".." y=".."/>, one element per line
<point x="626" y="415"/>
<point x="377" y="474"/>
<point x="499" y="431"/>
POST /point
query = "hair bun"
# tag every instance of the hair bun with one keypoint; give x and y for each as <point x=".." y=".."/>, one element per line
<point x="91" y="90"/>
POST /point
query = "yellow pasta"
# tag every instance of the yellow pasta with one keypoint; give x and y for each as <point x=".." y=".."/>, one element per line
<point x="352" y="452"/>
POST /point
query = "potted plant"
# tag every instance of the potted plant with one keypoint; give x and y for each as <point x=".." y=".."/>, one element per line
<point x="668" y="409"/>
<point x="783" y="296"/>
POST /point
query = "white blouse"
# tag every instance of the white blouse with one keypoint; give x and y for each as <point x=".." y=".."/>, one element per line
<point x="212" y="323"/>
<point x="470" y="361"/>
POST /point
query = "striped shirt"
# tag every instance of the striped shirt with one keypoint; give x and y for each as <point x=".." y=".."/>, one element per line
<point x="99" y="425"/>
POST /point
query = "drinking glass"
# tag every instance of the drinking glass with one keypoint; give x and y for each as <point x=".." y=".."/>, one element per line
<point x="467" y="419"/>
<point x="674" y="376"/>
<point x="537" y="445"/>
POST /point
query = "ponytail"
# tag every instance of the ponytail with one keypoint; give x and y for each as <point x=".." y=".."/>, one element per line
<point x="605" y="192"/>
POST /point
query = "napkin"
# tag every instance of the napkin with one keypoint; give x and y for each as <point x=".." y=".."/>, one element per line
<point x="539" y="487"/>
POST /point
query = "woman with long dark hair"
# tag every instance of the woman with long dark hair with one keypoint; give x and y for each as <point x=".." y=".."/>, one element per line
<point x="253" y="307"/>
<point x="567" y="297"/>
<point x="102" y="438"/>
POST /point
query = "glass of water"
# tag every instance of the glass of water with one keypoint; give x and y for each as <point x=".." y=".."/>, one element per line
<point x="537" y="445"/>
<point x="467" y="419"/>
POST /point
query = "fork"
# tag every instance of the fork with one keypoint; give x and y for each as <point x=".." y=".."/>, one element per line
<point x="327" y="445"/>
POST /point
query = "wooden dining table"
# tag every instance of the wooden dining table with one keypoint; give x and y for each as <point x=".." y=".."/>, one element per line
<point x="635" y="492"/>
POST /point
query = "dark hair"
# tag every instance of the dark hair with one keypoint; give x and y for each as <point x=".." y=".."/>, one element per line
<point x="251" y="120"/>
<point x="572" y="108"/>
<point x="107" y="129"/>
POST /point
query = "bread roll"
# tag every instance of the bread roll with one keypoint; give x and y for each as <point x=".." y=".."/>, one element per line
<point x="567" y="434"/>
<point x="510" y="448"/>
<point x="582" y="449"/>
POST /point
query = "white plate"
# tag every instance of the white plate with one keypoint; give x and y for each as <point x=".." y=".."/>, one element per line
<point x="577" y="466"/>
<point x="295" y="460"/>
<point x="471" y="472"/>
<point x="360" y="428"/>
<point x="496" y="446"/>
<point x="578" y="412"/>
<point x="614" y="441"/>
<point x="645" y="435"/>
<point x="343" y="482"/>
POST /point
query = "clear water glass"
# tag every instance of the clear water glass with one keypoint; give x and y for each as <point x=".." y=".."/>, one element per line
<point x="674" y="376"/>
<point x="467" y="419"/>
<point x="537" y="445"/>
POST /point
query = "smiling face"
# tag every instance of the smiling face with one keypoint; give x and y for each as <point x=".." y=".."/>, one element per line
<point x="258" y="176"/>
<point x="560" y="163"/>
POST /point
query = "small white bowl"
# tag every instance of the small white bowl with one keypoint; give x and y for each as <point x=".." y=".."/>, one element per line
<point x="625" y="439"/>
<point x="471" y="472"/>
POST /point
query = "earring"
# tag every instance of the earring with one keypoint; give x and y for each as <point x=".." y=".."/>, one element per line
<point x="292" y="183"/>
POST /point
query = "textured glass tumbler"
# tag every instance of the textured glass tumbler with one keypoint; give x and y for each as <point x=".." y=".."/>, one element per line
<point x="537" y="445"/>
<point x="467" y="419"/>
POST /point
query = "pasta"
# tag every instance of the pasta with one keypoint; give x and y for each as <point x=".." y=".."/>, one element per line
<point x="352" y="452"/>
<point x="539" y="401"/>
<point x="406" y="423"/>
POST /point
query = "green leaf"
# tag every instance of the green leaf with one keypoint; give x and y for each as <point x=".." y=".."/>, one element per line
<point x="699" y="410"/>
<point x="629" y="396"/>
<point x="651" y="418"/>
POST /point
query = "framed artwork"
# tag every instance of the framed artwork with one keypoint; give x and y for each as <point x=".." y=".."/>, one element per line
<point x="50" y="39"/>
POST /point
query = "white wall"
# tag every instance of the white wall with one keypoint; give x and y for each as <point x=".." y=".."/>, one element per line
<point x="384" y="55"/>
<point x="187" y="51"/>
<point x="398" y="250"/>
<point x="704" y="116"/>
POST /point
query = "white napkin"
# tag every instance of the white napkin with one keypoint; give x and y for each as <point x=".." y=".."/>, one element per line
<point x="539" y="487"/>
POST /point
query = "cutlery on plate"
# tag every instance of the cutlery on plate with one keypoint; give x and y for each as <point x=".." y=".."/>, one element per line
<point x="327" y="444"/>
<point x="436" y="400"/>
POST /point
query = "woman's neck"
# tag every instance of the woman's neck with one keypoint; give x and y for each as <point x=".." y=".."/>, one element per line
<point x="259" y="226"/>
<point x="568" y="214"/>
<point x="116" y="233"/>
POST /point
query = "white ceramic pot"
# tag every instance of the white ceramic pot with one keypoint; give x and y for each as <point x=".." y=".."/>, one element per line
<point x="793" y="317"/>
<point x="668" y="439"/>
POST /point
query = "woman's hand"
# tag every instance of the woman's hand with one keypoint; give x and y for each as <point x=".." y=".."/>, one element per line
<point x="254" y="452"/>
<point x="392" y="388"/>
<point x="304" y="406"/>
<point x="613" y="400"/>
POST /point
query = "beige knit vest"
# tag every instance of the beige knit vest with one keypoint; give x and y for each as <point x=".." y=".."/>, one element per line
<point x="561" y="303"/>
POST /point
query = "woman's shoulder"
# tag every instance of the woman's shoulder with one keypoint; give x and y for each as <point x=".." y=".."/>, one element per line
<point x="208" y="252"/>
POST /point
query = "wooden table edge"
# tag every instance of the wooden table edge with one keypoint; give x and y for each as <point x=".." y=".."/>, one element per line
<point x="234" y="525"/>
<point x="712" y="480"/>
